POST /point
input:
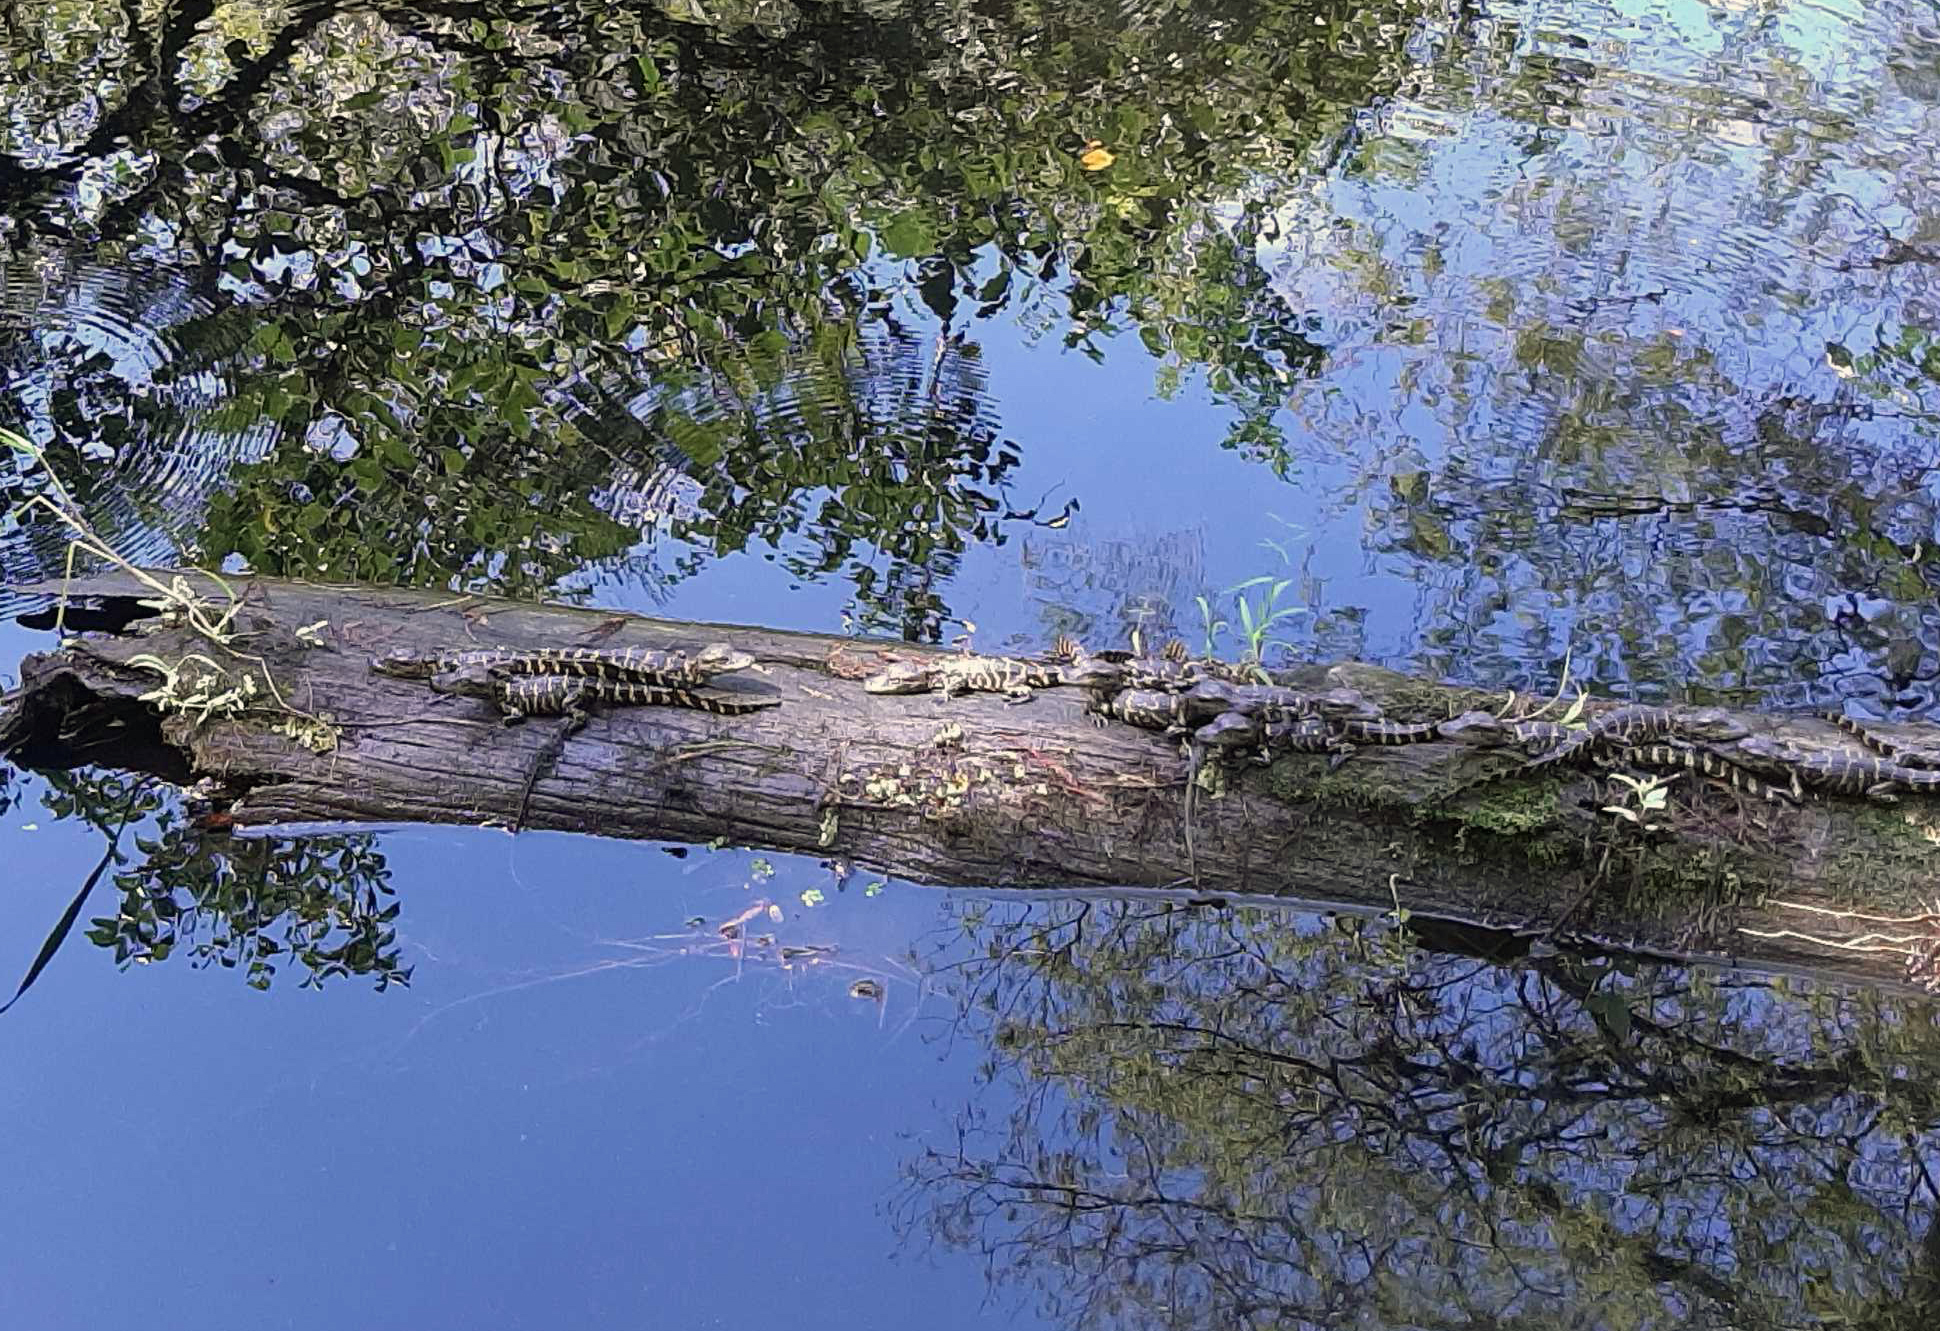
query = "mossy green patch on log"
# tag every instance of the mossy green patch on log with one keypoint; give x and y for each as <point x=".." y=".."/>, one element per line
<point x="1302" y="780"/>
<point x="1521" y="807"/>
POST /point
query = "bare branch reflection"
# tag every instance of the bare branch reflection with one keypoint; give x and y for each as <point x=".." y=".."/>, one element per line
<point x="1239" y="1118"/>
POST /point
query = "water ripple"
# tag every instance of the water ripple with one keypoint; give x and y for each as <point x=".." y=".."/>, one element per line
<point x="118" y="376"/>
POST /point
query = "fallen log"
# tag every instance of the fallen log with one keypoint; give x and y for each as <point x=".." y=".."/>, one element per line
<point x="276" y="720"/>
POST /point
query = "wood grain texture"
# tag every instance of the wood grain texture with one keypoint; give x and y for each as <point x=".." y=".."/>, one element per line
<point x="970" y="791"/>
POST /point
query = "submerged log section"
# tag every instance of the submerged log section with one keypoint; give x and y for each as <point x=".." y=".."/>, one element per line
<point x="967" y="790"/>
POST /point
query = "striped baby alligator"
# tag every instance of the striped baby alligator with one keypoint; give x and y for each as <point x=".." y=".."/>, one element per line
<point x="1210" y="699"/>
<point x="1225" y="733"/>
<point x="519" y="696"/>
<point x="633" y="664"/>
<point x="1311" y="735"/>
<point x="1386" y="733"/>
<point x="1485" y="730"/>
<point x="1339" y="738"/>
<point x="1872" y="775"/>
<point x="1637" y="724"/>
<point x="1706" y="762"/>
<point x="1272" y="703"/>
<point x="1625" y="727"/>
<point x="1067" y="664"/>
<point x="1254" y="716"/>
<point x="1907" y="755"/>
<point x="1330" y="723"/>
<point x="1014" y="677"/>
<point x="1294" y="722"/>
<point x="1172" y="667"/>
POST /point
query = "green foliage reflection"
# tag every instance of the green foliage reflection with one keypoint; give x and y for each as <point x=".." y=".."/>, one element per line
<point x="321" y="905"/>
<point x="445" y="230"/>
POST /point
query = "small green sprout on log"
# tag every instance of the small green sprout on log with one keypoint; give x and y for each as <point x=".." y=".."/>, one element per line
<point x="1648" y="795"/>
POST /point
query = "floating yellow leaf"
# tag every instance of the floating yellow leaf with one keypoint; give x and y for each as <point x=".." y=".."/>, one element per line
<point x="1096" y="156"/>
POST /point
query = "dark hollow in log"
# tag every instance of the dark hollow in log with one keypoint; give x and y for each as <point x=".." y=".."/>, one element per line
<point x="968" y="791"/>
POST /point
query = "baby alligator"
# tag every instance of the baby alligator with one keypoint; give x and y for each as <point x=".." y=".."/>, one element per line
<point x="1908" y="755"/>
<point x="1241" y="729"/>
<point x="1014" y="678"/>
<point x="1386" y="732"/>
<point x="1312" y="735"/>
<point x="1171" y="668"/>
<point x="1149" y="709"/>
<point x="1484" y="730"/>
<point x="1231" y="730"/>
<point x="634" y="664"/>
<point x="1842" y="773"/>
<point x="1224" y="733"/>
<point x="1704" y="761"/>
<point x="1211" y="699"/>
<point x="1315" y="734"/>
<point x="1636" y="724"/>
<point x="521" y="696"/>
<point x="1273" y="703"/>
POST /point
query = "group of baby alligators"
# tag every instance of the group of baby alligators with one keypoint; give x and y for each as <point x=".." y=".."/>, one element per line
<point x="1215" y="707"/>
<point x="1218" y="707"/>
<point x="569" y="681"/>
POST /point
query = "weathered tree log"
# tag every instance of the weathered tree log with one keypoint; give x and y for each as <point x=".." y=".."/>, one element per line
<point x="968" y="791"/>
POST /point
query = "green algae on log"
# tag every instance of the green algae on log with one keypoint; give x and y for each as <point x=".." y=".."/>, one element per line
<point x="286" y="725"/>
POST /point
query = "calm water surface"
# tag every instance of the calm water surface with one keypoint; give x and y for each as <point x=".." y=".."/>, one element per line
<point x="1502" y="333"/>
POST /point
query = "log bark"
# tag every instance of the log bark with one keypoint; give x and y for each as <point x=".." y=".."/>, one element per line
<point x="968" y="791"/>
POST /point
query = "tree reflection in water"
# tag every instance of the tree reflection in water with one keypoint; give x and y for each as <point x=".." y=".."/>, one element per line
<point x="1225" y="1118"/>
